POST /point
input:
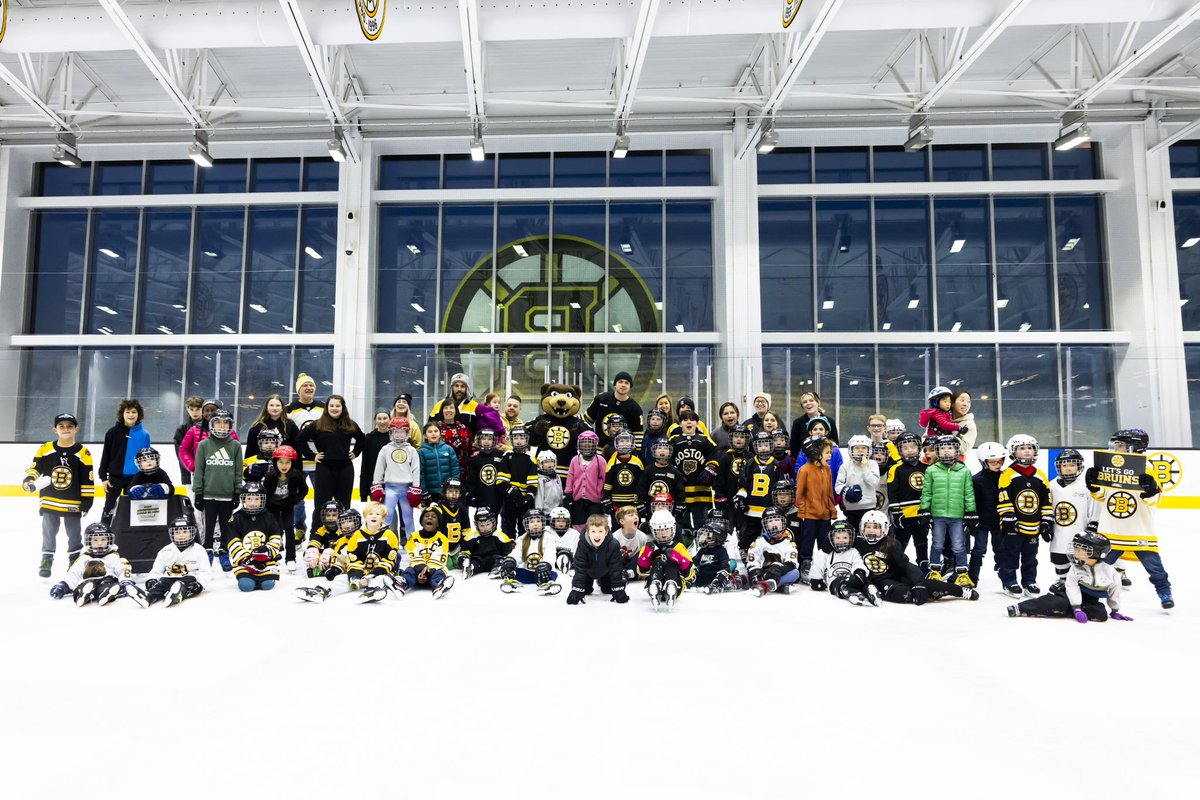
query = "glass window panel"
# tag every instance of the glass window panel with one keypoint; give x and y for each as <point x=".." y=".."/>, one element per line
<point x="685" y="370"/>
<point x="115" y="177"/>
<point x="314" y="361"/>
<point x="636" y="169"/>
<point x="217" y="278"/>
<point x="959" y="163"/>
<point x="644" y="362"/>
<point x="212" y="373"/>
<point x="689" y="168"/>
<point x="786" y="165"/>
<point x="530" y="369"/>
<point x="158" y="384"/>
<point x="320" y="175"/>
<point x="403" y="370"/>
<point x="57" y="180"/>
<point x="226" y="175"/>
<point x="785" y="264"/>
<point x="897" y="165"/>
<point x="843" y="265"/>
<point x="406" y="294"/>
<point x="463" y="173"/>
<point x="1187" y="255"/>
<point x="971" y="369"/>
<point x="1185" y="160"/>
<point x="104" y="384"/>
<point x="410" y="172"/>
<point x="524" y="170"/>
<point x="474" y="360"/>
<point x="902" y="390"/>
<point x="962" y="246"/>
<point x="1192" y="357"/>
<point x="841" y="165"/>
<point x="114" y="250"/>
<point x="846" y="384"/>
<point x="1078" y="163"/>
<point x="170" y="177"/>
<point x="689" y="262"/>
<point x="902" y="264"/>
<point x="60" y="239"/>
<point x="1020" y="162"/>
<point x="525" y="299"/>
<point x="1081" y="264"/>
<point x="275" y="175"/>
<point x="261" y="372"/>
<point x="166" y="253"/>
<point x="635" y="239"/>
<point x="318" y="269"/>
<point x="48" y="385"/>
<point x="580" y="169"/>
<point x="1029" y="392"/>
<point x="788" y="372"/>
<point x="466" y="274"/>
<point x="270" y="271"/>
<point x="1090" y="400"/>
<point x="580" y="296"/>
<point x="1023" y="268"/>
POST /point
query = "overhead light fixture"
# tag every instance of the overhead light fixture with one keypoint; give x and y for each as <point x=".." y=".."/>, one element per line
<point x="418" y="329"/>
<point x="166" y="330"/>
<point x="1024" y="327"/>
<point x="887" y="326"/>
<point x="957" y="245"/>
<point x="1192" y="242"/>
<point x="418" y="302"/>
<point x="198" y="151"/>
<point x="621" y="145"/>
<point x="211" y="253"/>
<point x="66" y="151"/>
<point x="312" y="253"/>
<point x="228" y="329"/>
<point x="768" y="138"/>
<point x="477" y="141"/>
<point x="105" y="331"/>
<point x="617" y="327"/>
<point x="919" y="134"/>
<point x="336" y="147"/>
<point x="1070" y="245"/>
<point x="1074" y="131"/>
<point x="956" y="327"/>
<point x="827" y="305"/>
<point x="110" y="252"/>
<point x="106" y="310"/>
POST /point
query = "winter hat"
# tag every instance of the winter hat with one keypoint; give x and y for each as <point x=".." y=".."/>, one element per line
<point x="814" y="420"/>
<point x="462" y="376"/>
<point x="623" y="376"/>
<point x="687" y="401"/>
<point x="304" y="378"/>
<point x="405" y="396"/>
<point x="764" y="396"/>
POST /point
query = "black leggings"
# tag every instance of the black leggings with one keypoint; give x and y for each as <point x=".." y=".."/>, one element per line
<point x="333" y="480"/>
<point x="285" y="514"/>
<point x="119" y="482"/>
<point x="214" y="511"/>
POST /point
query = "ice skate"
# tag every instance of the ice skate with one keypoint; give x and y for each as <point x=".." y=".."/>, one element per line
<point x="445" y="586"/>
<point x="1057" y="586"/>
<point x="805" y="567"/>
<point x="497" y="573"/>
<point x="223" y="558"/>
<point x="857" y="599"/>
<point x="312" y="594"/>
<point x="671" y="590"/>
<point x="654" y="589"/>
<point x="934" y="574"/>
<point x="964" y="580"/>
<point x="468" y="566"/>
<point x="45" y="566"/>
<point x="872" y="594"/>
<point x="1125" y="582"/>
<point x="969" y="594"/>
<point x="174" y="595"/>
<point x="85" y="593"/>
<point x="549" y="589"/>
<point x="137" y="594"/>
<point x="373" y="593"/>
<point x="110" y="593"/>
<point x="1031" y="589"/>
<point x="510" y="586"/>
<point x="1013" y="590"/>
<point x="762" y="588"/>
<point x="291" y="567"/>
<point x="1012" y="611"/>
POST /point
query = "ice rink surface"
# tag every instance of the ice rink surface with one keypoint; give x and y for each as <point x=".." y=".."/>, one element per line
<point x="482" y="694"/>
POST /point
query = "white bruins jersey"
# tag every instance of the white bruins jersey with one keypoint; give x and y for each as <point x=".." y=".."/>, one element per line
<point x="762" y="553"/>
<point x="828" y="566"/>
<point x="171" y="562"/>
<point x="109" y="565"/>
<point x="1073" y="507"/>
<point x="529" y="551"/>
<point x="1127" y="518"/>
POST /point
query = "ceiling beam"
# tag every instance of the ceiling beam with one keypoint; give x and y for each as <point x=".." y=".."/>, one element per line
<point x="314" y="62"/>
<point x="468" y="20"/>
<point x="160" y="73"/>
<point x="967" y="59"/>
<point x="633" y="56"/>
<point x="1182" y="133"/>
<point x="821" y="23"/>
<point x="30" y="97"/>
<point x="1120" y="70"/>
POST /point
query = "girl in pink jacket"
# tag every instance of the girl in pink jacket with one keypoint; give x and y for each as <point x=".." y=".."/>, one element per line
<point x="585" y="481"/>
<point x="937" y="419"/>
<point x="195" y="435"/>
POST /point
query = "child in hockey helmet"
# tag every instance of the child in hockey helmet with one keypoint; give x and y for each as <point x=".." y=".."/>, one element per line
<point x="98" y="540"/>
<point x="253" y="498"/>
<point x="147" y="460"/>
<point x="485" y="521"/>
<point x="660" y="451"/>
<point x="719" y="518"/>
<point x="331" y="512"/>
<point x="873" y="527"/>
<point x="221" y="424"/>
<point x="560" y="520"/>
<point x="779" y="443"/>
<point x="613" y="425"/>
<point x="940" y="397"/>
<point x="518" y="437"/>
<point x="349" y="521"/>
<point x="284" y="458"/>
<point x="623" y="442"/>
<point x="547" y="463"/>
<point x="894" y="428"/>
<point x="534" y="523"/>
<point x="860" y="448"/>
<point x="1023" y="449"/>
<point x="1129" y="440"/>
<point x="991" y="455"/>
<point x="929" y="450"/>
<point x="1069" y="465"/>
<point x="774" y="525"/>
<point x="182" y="532"/>
<point x="762" y="444"/>
<point x="588" y="444"/>
<point x="666" y="565"/>
<point x="710" y="535"/>
<point x="662" y="528"/>
<point x="909" y="446"/>
<point x="1089" y="548"/>
<point x="783" y="494"/>
<point x="451" y="493"/>
<point x="841" y="536"/>
<point x="398" y="431"/>
<point x="486" y="439"/>
<point x="268" y="440"/>
<point x="879" y="453"/>
<point x="814" y="448"/>
<point x="739" y="438"/>
<point x="656" y="422"/>
<point x="947" y="448"/>
<point x="662" y="502"/>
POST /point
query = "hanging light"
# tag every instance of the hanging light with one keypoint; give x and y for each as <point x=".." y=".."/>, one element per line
<point x="919" y="134"/>
<point x="621" y="145"/>
<point x="477" y="142"/>
<point x="768" y="138"/>
<point x="336" y="147"/>
<point x="198" y="151"/>
<point x="66" y="151"/>
<point x="1074" y="131"/>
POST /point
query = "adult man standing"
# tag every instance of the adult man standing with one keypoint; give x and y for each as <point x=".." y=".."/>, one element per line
<point x="304" y="412"/>
<point x="616" y="403"/>
<point x="464" y="398"/>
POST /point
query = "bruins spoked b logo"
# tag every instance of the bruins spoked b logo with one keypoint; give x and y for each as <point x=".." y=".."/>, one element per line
<point x="1065" y="514"/>
<point x="1165" y="468"/>
<point x="61" y="477"/>
<point x="1027" y="501"/>
<point x="1122" y="505"/>
<point x="371" y="14"/>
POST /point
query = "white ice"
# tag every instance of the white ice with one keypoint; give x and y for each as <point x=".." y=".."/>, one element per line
<point x="485" y="694"/>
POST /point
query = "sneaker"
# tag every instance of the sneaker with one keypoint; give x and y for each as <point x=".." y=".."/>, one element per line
<point x="1168" y="602"/>
<point x="1012" y="611"/>
<point x="1013" y="590"/>
<point x="44" y="567"/>
<point x="1031" y="589"/>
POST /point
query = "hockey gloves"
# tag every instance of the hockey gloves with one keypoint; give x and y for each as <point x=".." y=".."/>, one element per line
<point x="1046" y="529"/>
<point x="377" y="492"/>
<point x="311" y="558"/>
<point x="138" y="492"/>
<point x="817" y="585"/>
<point x="156" y="491"/>
<point x="619" y="596"/>
<point x="576" y="596"/>
<point x="1008" y="524"/>
<point x="415" y="496"/>
<point x="1080" y="616"/>
<point x="740" y="504"/>
<point x="1149" y="485"/>
<point x="198" y="502"/>
<point x="924" y="517"/>
<point x="1093" y="526"/>
<point x="853" y="494"/>
<point x="60" y="590"/>
<point x="919" y="595"/>
<point x="1089" y="479"/>
<point x="1117" y="615"/>
<point x="562" y="560"/>
<point x="971" y="521"/>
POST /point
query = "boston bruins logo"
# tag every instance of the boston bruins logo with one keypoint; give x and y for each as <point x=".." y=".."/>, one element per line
<point x="917" y="481"/>
<point x="876" y="562"/>
<point x="558" y="437"/>
<point x="737" y="465"/>
<point x="1027" y="501"/>
<point x="254" y="540"/>
<point x="1065" y="514"/>
<point x="487" y="475"/>
<point x="689" y="461"/>
<point x="61" y="477"/>
<point x="1122" y="505"/>
<point x="625" y="478"/>
<point x="399" y="456"/>
<point x="1166" y="469"/>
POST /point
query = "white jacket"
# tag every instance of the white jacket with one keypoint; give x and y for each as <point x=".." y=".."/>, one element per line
<point x="192" y="561"/>
<point x="827" y="566"/>
<point x="967" y="440"/>
<point x="114" y="565"/>
<point x="758" y="555"/>
<point x="398" y="465"/>
<point x="1100" y="579"/>
<point x="865" y="475"/>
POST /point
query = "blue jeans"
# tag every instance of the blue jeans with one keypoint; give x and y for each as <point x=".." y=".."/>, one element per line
<point x="249" y="584"/>
<point x="1152" y="561"/>
<point x="790" y="577"/>
<point x="395" y="500"/>
<point x="943" y="526"/>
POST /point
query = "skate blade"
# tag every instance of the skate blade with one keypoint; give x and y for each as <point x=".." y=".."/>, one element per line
<point x="549" y="590"/>
<point x="310" y="596"/>
<point x="510" y="588"/>
<point x="371" y="596"/>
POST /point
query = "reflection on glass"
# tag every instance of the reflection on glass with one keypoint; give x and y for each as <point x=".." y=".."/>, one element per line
<point x="1081" y="265"/>
<point x="689" y="168"/>
<point x="1023" y="266"/>
<point x="225" y="175"/>
<point x="524" y="170"/>
<point x="788" y="372"/>
<point x="1089" y="395"/>
<point x="270" y="271"/>
<point x="959" y="162"/>
<point x="405" y="370"/>
<point x="843" y="265"/>
<point x="973" y="369"/>
<point x="635" y="232"/>
<point x="962" y="243"/>
<point x="1020" y="162"/>
<point x="898" y="165"/>
<point x="410" y="172"/>
<point x="467" y="243"/>
<point x="262" y="371"/>
<point x="902" y="264"/>
<point x="113" y="264"/>
<point x="275" y="175"/>
<point x="166" y="250"/>
<point x="785" y="264"/>
<point x="104" y="382"/>
<point x="158" y="384"/>
<point x="318" y="269"/>
<point x="689" y="267"/>
<point x="320" y="175"/>
<point x="846" y="384"/>
<point x="170" y="177"/>
<point x="580" y="299"/>
<point x="1029" y="392"/>
<point x="58" y="180"/>
<point x="580" y="169"/>
<point x="49" y="377"/>
<point x="217" y="280"/>
<point x="58" y="259"/>
<point x="785" y="165"/>
<point x="525" y="273"/>
<point x="212" y="373"/>
<point x="902" y="388"/>
<point x="117" y="177"/>
<point x="406" y="293"/>
<point x="1187" y="255"/>
<point x="841" y="165"/>
<point x="636" y="169"/>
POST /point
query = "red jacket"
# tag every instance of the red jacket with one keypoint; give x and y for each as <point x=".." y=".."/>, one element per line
<point x="936" y="422"/>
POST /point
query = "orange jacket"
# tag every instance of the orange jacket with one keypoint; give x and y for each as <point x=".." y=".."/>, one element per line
<point x="814" y="492"/>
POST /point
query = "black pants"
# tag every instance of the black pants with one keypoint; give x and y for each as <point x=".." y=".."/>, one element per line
<point x="813" y="532"/>
<point x="1013" y="549"/>
<point x="163" y="585"/>
<point x="119" y="482"/>
<point x="285" y="514"/>
<point x="581" y="509"/>
<point x="1056" y="605"/>
<point x="854" y="517"/>
<point x="918" y="532"/>
<point x="514" y="508"/>
<point x="333" y="480"/>
<point x="749" y="528"/>
<point x="214" y="511"/>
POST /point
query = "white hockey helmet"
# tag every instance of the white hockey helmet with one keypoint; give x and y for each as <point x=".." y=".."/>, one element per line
<point x="989" y="451"/>
<point x="859" y="440"/>
<point x="662" y="526"/>
<point x="874" y="517"/>
<point x="895" y="425"/>
<point x="1021" y="440"/>
<point x="560" y="514"/>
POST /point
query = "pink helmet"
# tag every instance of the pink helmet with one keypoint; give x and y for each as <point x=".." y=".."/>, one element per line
<point x="589" y="435"/>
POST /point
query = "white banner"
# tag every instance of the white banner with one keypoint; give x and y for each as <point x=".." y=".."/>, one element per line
<point x="147" y="513"/>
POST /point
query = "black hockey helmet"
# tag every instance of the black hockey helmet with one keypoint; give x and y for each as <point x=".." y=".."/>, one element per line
<point x="741" y="432"/>
<point x="254" y="497"/>
<point x="813" y="446"/>
<point x="98" y="531"/>
<point x="147" y="460"/>
<point x="534" y="522"/>
<point x="349" y="521"/>
<point x="182" y="532"/>
<point x="779" y="440"/>
<point x="720" y="518"/>
<point x="220" y="424"/>
<point x="948" y="448"/>
<point x="908" y="437"/>
<point x="330" y="513"/>
<point x="485" y="521"/>
<point x="710" y="535"/>
<point x="1069" y="456"/>
<point x="268" y="440"/>
<point x="762" y="443"/>
<point x="774" y="525"/>
<point x="1135" y="440"/>
<point x="841" y="526"/>
<point x="1096" y="545"/>
<point x="783" y="493"/>
<point x="661" y="450"/>
<point x="656" y="413"/>
<point x="518" y="437"/>
<point x="456" y="485"/>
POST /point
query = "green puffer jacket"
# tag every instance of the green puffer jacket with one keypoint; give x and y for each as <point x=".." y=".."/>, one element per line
<point x="948" y="491"/>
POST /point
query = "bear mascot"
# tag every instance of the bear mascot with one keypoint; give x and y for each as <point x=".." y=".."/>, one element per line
<point x="559" y="425"/>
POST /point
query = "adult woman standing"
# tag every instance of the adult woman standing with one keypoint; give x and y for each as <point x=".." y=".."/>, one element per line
<point x="960" y="407"/>
<point x="811" y="403"/>
<point x="762" y="404"/>
<point x="118" y="458"/>
<point x="377" y="438"/>
<point x="455" y="434"/>
<point x="665" y="404"/>
<point x="274" y="417"/>
<point x="730" y="415"/>
<point x="337" y="441"/>
<point x="402" y="408"/>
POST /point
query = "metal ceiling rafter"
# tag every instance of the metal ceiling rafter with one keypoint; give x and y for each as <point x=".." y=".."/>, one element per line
<point x="968" y="58"/>
<point x="315" y="59"/>
<point x="1149" y="48"/>
<point x="633" y="57"/>
<point x="821" y="24"/>
<point x="161" y="74"/>
<point x="31" y="97"/>
<point x="468" y="19"/>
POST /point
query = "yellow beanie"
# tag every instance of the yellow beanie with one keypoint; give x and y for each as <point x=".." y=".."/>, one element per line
<point x="304" y="378"/>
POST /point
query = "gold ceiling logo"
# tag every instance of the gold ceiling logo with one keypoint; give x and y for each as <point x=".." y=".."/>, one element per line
<point x="790" y="9"/>
<point x="371" y="15"/>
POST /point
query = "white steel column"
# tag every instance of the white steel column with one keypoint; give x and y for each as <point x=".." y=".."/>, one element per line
<point x="354" y="318"/>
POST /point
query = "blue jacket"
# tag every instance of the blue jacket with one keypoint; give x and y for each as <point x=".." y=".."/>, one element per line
<point x="138" y="438"/>
<point x="439" y="463"/>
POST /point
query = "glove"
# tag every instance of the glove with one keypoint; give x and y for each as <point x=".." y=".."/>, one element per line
<point x="619" y="596"/>
<point x="679" y="510"/>
<point x="920" y="595"/>
<point x="1046" y="529"/>
<point x="1117" y="615"/>
<point x="59" y="590"/>
<point x="1089" y="479"/>
<point x="377" y="492"/>
<point x="709" y="475"/>
<point x="426" y="498"/>
<point x="817" y="585"/>
<point x="567" y="499"/>
<point x="1149" y="485"/>
<point x="970" y="519"/>
<point x="311" y="558"/>
<point x="156" y="491"/>
<point x="1093" y="526"/>
<point x="137" y="492"/>
<point x="897" y="516"/>
<point x="924" y="517"/>
<point x="1080" y="617"/>
<point x="1008" y="524"/>
<point x="853" y="494"/>
<point x="660" y="555"/>
<point x="576" y="596"/>
<point x="562" y="560"/>
<point x="198" y="502"/>
<point x="964" y="429"/>
<point x="28" y="485"/>
<point x="258" y="470"/>
<point x="739" y="504"/>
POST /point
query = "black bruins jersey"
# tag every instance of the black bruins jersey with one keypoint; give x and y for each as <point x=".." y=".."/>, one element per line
<point x="72" y="488"/>
<point x="621" y="480"/>
<point x="1027" y="496"/>
<point x="245" y="533"/>
<point x="904" y="484"/>
<point x="757" y="484"/>
<point x="323" y="538"/>
<point x="372" y="553"/>
<point x="656" y="480"/>
<point x="515" y="471"/>
<point x="452" y="523"/>
<point x="691" y="454"/>
<point x="484" y="489"/>
<point x="729" y="472"/>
